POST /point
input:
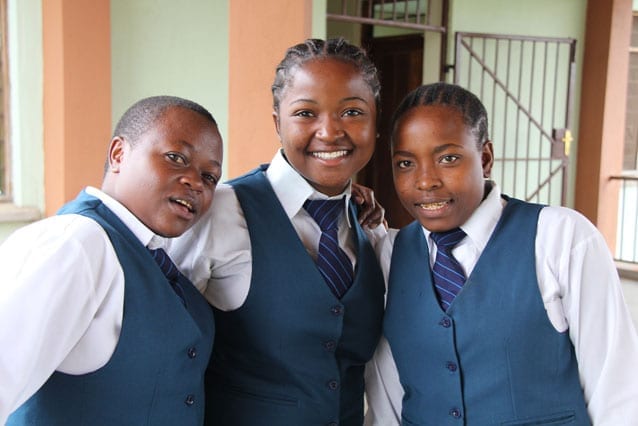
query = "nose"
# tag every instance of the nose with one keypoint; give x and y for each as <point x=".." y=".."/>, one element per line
<point x="192" y="178"/>
<point x="330" y="128"/>
<point x="428" y="179"/>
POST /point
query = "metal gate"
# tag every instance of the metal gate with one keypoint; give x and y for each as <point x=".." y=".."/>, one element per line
<point x="526" y="85"/>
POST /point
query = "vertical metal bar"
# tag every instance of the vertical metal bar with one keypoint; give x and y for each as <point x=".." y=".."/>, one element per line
<point x="418" y="12"/>
<point x="505" y="99"/>
<point x="370" y="7"/>
<point x="494" y="88"/>
<point x="482" y="70"/>
<point x="529" y="122"/>
<point x="344" y="7"/>
<point x="634" y="184"/>
<point x="541" y="157"/>
<point x="406" y="15"/>
<point x="457" y="56"/>
<point x="623" y="215"/>
<point x="469" y="66"/>
<point x="518" y="115"/>
<point x="568" y="115"/>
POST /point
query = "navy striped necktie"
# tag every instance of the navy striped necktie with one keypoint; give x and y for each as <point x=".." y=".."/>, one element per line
<point x="448" y="274"/>
<point x="170" y="271"/>
<point x="332" y="261"/>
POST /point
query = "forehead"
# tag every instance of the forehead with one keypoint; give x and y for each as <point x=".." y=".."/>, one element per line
<point x="432" y="124"/>
<point x="321" y="74"/>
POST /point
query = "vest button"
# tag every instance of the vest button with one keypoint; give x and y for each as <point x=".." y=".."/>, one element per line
<point x="190" y="400"/>
<point x="456" y="413"/>
<point x="333" y="424"/>
<point x="336" y="310"/>
<point x="333" y="385"/>
<point x="445" y="322"/>
<point x="451" y="366"/>
<point x="330" y="345"/>
<point x="192" y="352"/>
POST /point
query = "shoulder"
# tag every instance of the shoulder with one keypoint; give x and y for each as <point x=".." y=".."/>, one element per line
<point x="566" y="223"/>
<point x="60" y="230"/>
<point x="58" y="244"/>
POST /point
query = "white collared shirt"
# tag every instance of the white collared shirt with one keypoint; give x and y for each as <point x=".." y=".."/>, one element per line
<point x="581" y="292"/>
<point x="61" y="299"/>
<point x="216" y="253"/>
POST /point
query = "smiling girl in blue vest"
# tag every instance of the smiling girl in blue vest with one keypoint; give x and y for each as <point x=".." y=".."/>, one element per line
<point x="539" y="332"/>
<point x="287" y="350"/>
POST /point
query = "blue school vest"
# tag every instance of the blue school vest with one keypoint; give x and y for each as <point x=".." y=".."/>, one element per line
<point x="494" y="358"/>
<point x="292" y="354"/>
<point x="156" y="374"/>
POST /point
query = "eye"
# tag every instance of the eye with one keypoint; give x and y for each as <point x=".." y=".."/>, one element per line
<point x="210" y="178"/>
<point x="304" y="113"/>
<point x="353" y="113"/>
<point x="403" y="164"/>
<point x="176" y="157"/>
<point x="449" y="159"/>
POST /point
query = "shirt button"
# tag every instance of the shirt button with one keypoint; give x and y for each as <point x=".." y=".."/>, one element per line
<point x="456" y="413"/>
<point x="451" y="366"/>
<point x="192" y="352"/>
<point x="445" y="322"/>
<point x="336" y="310"/>
<point x="329" y="345"/>
<point x="190" y="400"/>
<point x="333" y="385"/>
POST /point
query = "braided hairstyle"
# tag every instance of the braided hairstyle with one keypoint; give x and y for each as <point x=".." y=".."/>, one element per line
<point x="452" y="96"/>
<point x="334" y="48"/>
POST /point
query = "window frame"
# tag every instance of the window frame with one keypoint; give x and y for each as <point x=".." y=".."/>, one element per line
<point x="5" y="169"/>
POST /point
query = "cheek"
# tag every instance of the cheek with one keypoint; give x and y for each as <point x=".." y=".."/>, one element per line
<point x="402" y="183"/>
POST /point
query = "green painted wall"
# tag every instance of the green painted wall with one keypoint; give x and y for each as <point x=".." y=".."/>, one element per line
<point x="24" y="27"/>
<point x="164" y="47"/>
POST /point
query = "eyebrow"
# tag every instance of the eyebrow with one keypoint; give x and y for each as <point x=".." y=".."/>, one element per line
<point x="312" y="101"/>
<point x="436" y="150"/>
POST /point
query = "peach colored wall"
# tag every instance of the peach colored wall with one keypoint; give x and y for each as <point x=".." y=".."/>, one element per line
<point x="77" y="96"/>
<point x="260" y="33"/>
<point x="603" y="102"/>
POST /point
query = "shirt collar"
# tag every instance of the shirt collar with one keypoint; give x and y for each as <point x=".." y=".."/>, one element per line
<point x="293" y="190"/>
<point x="147" y="237"/>
<point x="481" y="224"/>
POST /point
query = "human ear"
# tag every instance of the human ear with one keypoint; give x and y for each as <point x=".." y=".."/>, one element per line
<point x="275" y="119"/>
<point x="487" y="158"/>
<point x="116" y="153"/>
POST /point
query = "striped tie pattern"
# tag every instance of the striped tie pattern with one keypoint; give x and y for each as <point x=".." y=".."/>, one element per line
<point x="447" y="272"/>
<point x="169" y="269"/>
<point x="332" y="261"/>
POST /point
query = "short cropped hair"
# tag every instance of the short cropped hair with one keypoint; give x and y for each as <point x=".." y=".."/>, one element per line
<point x="144" y="113"/>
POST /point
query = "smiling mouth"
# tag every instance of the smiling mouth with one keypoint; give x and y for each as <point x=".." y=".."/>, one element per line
<point x="330" y="155"/>
<point x="185" y="203"/>
<point x="432" y="206"/>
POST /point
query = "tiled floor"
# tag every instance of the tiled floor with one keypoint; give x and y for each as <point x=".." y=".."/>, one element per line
<point x="630" y="288"/>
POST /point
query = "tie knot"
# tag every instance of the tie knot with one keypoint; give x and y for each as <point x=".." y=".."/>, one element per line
<point x="447" y="240"/>
<point x="324" y="212"/>
<point x="165" y="263"/>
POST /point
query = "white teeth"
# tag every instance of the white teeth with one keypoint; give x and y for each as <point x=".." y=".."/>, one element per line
<point x="433" y="206"/>
<point x="185" y="203"/>
<point x="330" y="155"/>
